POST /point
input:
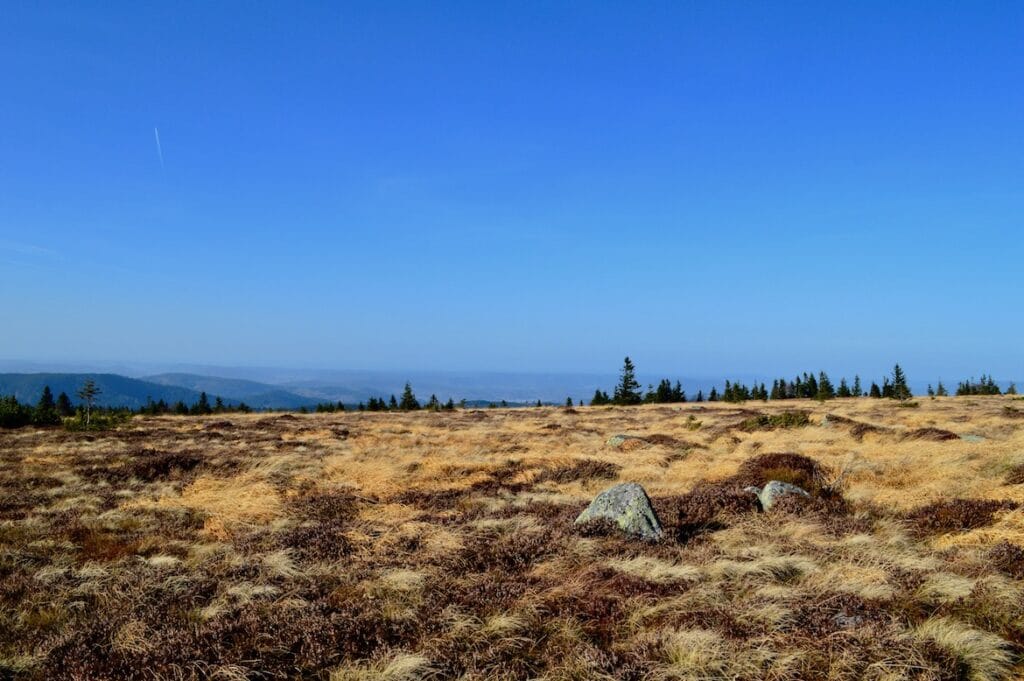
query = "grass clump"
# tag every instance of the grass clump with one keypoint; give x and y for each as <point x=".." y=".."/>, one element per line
<point x="786" y="419"/>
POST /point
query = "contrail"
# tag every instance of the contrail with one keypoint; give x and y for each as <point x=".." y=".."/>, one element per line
<point x="159" y="151"/>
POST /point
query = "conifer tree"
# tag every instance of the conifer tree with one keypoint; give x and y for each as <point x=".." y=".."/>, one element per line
<point x="844" y="390"/>
<point x="1011" y="389"/>
<point x="900" y="389"/>
<point x="940" y="390"/>
<point x="568" y="401"/>
<point x="825" y="389"/>
<point x="408" y="401"/>
<point x="88" y="392"/>
<point x="46" y="409"/>
<point x="449" y="405"/>
<point x="393" y="404"/>
<point x="64" y="406"/>
<point x="875" y="392"/>
<point x="931" y="390"/>
<point x="202" y="407"/>
<point x="857" y="392"/>
<point x="713" y="395"/>
<point x="627" y="392"/>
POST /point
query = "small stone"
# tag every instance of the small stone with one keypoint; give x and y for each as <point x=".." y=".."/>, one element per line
<point x="773" y="491"/>
<point x="628" y="506"/>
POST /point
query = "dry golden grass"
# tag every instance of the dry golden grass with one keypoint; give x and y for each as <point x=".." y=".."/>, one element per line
<point x="415" y="546"/>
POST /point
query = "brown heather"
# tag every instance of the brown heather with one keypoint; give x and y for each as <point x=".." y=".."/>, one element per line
<point x="442" y="546"/>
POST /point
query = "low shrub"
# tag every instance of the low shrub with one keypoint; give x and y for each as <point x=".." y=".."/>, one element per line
<point x="786" y="419"/>
<point x="955" y="515"/>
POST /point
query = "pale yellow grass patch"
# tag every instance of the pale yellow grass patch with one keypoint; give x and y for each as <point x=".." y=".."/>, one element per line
<point x="986" y="656"/>
<point x="242" y="499"/>
<point x="398" y="667"/>
<point x="656" y="570"/>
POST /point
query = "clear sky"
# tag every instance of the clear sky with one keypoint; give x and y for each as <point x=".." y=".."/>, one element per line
<point x="706" y="186"/>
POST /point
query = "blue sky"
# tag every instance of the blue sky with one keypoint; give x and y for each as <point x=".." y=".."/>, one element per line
<point x="709" y="187"/>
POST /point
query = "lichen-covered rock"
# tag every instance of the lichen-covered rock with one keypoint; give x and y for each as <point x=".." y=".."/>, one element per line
<point x="625" y="441"/>
<point x="628" y="506"/>
<point x="773" y="491"/>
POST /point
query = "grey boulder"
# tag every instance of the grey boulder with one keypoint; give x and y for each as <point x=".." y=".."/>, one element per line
<point x="628" y="506"/>
<point x="773" y="491"/>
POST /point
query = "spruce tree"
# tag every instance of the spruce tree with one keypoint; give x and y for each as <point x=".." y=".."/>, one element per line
<point x="64" y="406"/>
<point x="46" y="409"/>
<point x="202" y="407"/>
<point x="940" y="390"/>
<point x="713" y="395"/>
<point x="844" y="390"/>
<point x="931" y="390"/>
<point x="857" y="392"/>
<point x="568" y="401"/>
<point x="825" y="389"/>
<point x="900" y="389"/>
<point x="875" y="392"/>
<point x="700" y="396"/>
<point x="627" y="392"/>
<point x="408" y="401"/>
<point x="1011" y="389"/>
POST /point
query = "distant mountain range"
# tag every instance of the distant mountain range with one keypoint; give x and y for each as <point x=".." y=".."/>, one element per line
<point x="121" y="391"/>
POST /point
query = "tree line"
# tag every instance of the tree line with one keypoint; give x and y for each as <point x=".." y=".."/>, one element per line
<point x="51" y="411"/>
<point x="808" y="385"/>
<point x="408" y="402"/>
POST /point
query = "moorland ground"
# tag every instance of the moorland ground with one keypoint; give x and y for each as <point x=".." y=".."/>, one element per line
<point x="442" y="545"/>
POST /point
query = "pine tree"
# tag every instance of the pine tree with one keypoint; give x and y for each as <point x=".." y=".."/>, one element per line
<point x="433" y="404"/>
<point x="88" y="392"/>
<point x="875" y="392"/>
<point x="449" y="405"/>
<point x="940" y="390"/>
<point x="393" y="404"/>
<point x="1011" y="389"/>
<point x="713" y="395"/>
<point x="627" y="392"/>
<point x="408" y="401"/>
<point x="180" y="408"/>
<point x="900" y="389"/>
<point x="931" y="390"/>
<point x="857" y="392"/>
<point x="568" y="401"/>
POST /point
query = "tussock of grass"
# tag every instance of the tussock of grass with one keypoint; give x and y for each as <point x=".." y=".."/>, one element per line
<point x="983" y="656"/>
